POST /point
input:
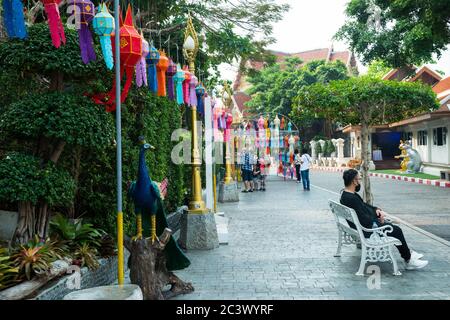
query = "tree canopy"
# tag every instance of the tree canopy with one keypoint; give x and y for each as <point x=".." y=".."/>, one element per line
<point x="274" y="88"/>
<point x="400" y="32"/>
<point x="378" y="101"/>
<point x="365" y="101"/>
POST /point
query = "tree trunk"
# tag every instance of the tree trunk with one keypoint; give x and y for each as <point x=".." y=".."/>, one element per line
<point x="56" y="81"/>
<point x="76" y="175"/>
<point x="365" y="157"/>
<point x="148" y="269"/>
<point x="25" y="226"/>
<point x="54" y="157"/>
<point x="42" y="220"/>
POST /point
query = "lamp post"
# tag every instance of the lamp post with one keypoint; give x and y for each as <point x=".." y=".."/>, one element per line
<point x="227" y="101"/>
<point x="190" y="49"/>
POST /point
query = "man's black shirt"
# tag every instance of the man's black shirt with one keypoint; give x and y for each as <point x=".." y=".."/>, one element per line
<point x="366" y="213"/>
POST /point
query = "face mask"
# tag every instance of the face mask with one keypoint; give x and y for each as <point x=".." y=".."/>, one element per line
<point x="358" y="188"/>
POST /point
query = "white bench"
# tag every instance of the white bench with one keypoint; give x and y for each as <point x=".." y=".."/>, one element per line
<point x="379" y="247"/>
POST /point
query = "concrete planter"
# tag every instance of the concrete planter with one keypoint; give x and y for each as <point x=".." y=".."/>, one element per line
<point x="8" y="224"/>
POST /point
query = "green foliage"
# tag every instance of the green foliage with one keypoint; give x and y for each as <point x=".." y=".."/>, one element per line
<point x="331" y="148"/>
<point x="61" y="116"/>
<point x="378" y="69"/>
<point x="274" y="88"/>
<point x="37" y="55"/>
<point x="410" y="31"/>
<point x="107" y="246"/>
<point x="326" y="148"/>
<point x="23" y="178"/>
<point x="35" y="257"/>
<point x="8" y="271"/>
<point x="364" y="98"/>
<point x="74" y="233"/>
<point x="143" y="114"/>
<point x="87" y="256"/>
<point x="318" y="149"/>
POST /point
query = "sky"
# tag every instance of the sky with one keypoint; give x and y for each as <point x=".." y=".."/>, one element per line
<point x="311" y="24"/>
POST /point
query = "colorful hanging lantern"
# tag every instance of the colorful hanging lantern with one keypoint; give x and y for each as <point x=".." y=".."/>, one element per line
<point x="141" y="67"/>
<point x="282" y="123"/>
<point x="161" y="69"/>
<point x="54" y="22"/>
<point x="86" y="13"/>
<point x="192" y="94"/>
<point x="171" y="72"/>
<point x="14" y="19"/>
<point x="104" y="26"/>
<point x="152" y="61"/>
<point x="186" y="84"/>
<point x="130" y="55"/>
<point x="178" y="79"/>
<point x="200" y="93"/>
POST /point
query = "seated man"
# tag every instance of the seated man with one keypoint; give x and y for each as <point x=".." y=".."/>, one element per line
<point x="368" y="215"/>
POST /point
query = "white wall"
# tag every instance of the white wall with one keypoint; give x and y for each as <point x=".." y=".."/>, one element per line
<point x="436" y="157"/>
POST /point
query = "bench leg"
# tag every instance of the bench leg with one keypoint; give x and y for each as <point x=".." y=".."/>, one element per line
<point x="338" y="252"/>
<point x="362" y="264"/>
<point x="394" y="263"/>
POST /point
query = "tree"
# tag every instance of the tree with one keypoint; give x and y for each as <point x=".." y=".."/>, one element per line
<point x="400" y="32"/>
<point x="378" y="69"/>
<point x="366" y="101"/>
<point x="318" y="149"/>
<point x="274" y="88"/>
<point x="227" y="31"/>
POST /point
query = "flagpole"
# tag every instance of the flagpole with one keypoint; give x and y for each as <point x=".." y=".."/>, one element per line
<point x="120" y="258"/>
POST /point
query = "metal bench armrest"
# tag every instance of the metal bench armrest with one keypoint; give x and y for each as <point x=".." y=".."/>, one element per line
<point x="381" y="230"/>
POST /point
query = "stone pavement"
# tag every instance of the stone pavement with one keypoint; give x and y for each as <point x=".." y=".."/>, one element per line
<point x="281" y="246"/>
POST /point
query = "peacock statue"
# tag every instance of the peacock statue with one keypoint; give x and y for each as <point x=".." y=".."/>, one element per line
<point x="150" y="213"/>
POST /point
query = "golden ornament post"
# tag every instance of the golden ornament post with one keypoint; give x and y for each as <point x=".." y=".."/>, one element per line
<point x="190" y="49"/>
<point x="227" y="99"/>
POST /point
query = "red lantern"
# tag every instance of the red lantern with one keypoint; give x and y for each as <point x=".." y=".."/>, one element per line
<point x="130" y="55"/>
<point x="54" y="22"/>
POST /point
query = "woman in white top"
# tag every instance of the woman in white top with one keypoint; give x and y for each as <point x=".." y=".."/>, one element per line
<point x="304" y="168"/>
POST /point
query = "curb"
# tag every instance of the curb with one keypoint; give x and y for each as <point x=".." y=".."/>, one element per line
<point x="435" y="183"/>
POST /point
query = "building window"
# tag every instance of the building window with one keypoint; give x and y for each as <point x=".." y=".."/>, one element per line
<point x="440" y="136"/>
<point x="422" y="137"/>
<point x="407" y="136"/>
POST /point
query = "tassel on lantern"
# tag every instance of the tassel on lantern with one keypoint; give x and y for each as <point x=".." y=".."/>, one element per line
<point x="104" y="26"/>
<point x="179" y="78"/>
<point x="186" y="84"/>
<point x="141" y="67"/>
<point x="192" y="94"/>
<point x="200" y="93"/>
<point x="161" y="69"/>
<point x="171" y="72"/>
<point x="14" y="19"/>
<point x="54" y="22"/>
<point x="152" y="61"/>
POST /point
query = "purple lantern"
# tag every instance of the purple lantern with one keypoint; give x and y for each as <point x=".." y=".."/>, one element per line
<point x="86" y="13"/>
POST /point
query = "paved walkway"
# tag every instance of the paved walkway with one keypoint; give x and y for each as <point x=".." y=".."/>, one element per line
<point x="281" y="246"/>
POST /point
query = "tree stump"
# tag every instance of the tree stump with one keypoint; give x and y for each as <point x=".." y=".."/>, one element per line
<point x="148" y="269"/>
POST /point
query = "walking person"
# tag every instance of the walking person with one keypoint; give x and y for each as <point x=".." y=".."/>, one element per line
<point x="298" y="163"/>
<point x="247" y="170"/>
<point x="304" y="169"/>
<point x="256" y="177"/>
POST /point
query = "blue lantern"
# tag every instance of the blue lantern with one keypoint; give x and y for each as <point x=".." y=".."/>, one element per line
<point x="104" y="27"/>
<point x="152" y="60"/>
